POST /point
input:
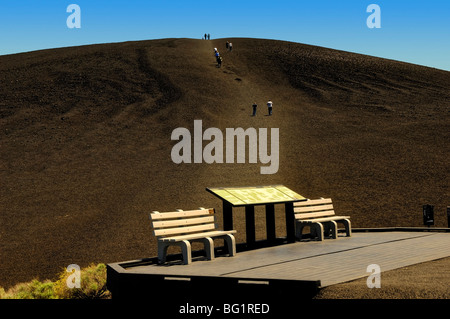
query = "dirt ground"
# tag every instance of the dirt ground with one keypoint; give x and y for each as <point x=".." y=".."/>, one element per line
<point x="421" y="281"/>
<point x="86" y="144"/>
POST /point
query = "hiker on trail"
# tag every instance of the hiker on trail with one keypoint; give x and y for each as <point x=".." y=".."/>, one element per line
<point x="227" y="45"/>
<point x="254" y="108"/>
<point x="230" y="46"/>
<point x="208" y="36"/>
<point x="269" y="106"/>
<point x="205" y="36"/>
<point x="218" y="57"/>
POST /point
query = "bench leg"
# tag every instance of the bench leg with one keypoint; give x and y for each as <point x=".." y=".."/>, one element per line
<point x="186" y="251"/>
<point x="333" y="229"/>
<point x="209" y="247"/>
<point x="231" y="244"/>
<point x="162" y="252"/>
<point x="317" y="231"/>
<point x="348" y="227"/>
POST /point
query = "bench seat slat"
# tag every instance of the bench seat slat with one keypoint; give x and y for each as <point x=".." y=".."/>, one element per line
<point x="312" y="208"/>
<point x="310" y="202"/>
<point x="181" y="214"/>
<point x="315" y="215"/>
<point x="183" y="230"/>
<point x="325" y="219"/>
<point x="183" y="222"/>
<point x="197" y="236"/>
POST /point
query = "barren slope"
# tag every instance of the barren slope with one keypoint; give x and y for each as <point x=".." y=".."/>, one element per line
<point x="85" y="140"/>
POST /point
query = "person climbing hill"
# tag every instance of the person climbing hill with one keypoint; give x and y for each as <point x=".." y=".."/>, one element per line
<point x="269" y="106"/>
<point x="255" y="106"/>
<point x="218" y="57"/>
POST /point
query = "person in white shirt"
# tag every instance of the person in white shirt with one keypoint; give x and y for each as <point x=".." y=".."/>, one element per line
<point x="269" y="106"/>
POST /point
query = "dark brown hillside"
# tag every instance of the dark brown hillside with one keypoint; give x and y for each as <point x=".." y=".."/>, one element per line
<point x="86" y="140"/>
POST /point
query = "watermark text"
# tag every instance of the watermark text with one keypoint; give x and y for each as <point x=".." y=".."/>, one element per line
<point x="374" y="279"/>
<point x="190" y="148"/>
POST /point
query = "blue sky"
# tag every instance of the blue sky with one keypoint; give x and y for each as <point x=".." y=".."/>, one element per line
<point x="412" y="31"/>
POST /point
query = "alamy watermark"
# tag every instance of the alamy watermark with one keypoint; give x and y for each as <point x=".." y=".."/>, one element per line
<point x="374" y="279"/>
<point x="73" y="280"/>
<point x="374" y="19"/>
<point x="74" y="19"/>
<point x="190" y="148"/>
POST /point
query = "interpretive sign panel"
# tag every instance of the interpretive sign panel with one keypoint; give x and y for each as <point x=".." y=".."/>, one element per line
<point x="259" y="195"/>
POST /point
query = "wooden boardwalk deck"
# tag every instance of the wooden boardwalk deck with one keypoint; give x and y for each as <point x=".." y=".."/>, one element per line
<point x="330" y="261"/>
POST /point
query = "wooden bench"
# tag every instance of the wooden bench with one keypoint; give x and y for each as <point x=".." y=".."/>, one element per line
<point x="183" y="227"/>
<point x="319" y="215"/>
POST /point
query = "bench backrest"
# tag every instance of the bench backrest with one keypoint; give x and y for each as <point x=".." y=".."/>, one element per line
<point x="182" y="222"/>
<point x="313" y="208"/>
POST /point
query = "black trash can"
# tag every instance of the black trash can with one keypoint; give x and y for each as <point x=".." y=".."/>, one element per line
<point x="428" y="215"/>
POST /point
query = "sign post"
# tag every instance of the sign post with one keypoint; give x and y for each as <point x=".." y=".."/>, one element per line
<point x="448" y="216"/>
<point x="270" y="221"/>
<point x="428" y="215"/>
